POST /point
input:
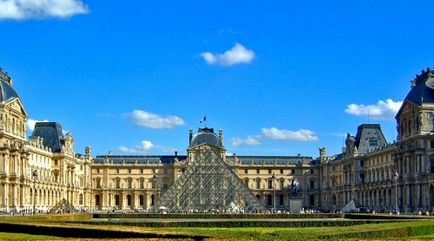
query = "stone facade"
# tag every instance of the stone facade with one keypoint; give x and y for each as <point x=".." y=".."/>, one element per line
<point x="39" y="171"/>
<point x="382" y="176"/>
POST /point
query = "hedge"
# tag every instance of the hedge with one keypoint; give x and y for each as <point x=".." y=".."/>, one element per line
<point x="215" y="216"/>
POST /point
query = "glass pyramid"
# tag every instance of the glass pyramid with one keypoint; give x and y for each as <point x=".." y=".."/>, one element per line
<point x="208" y="184"/>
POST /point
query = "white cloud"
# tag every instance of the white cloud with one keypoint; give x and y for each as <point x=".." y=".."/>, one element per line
<point x="237" y="55"/>
<point x="146" y="147"/>
<point x="32" y="122"/>
<point x="382" y="110"/>
<point x="275" y="134"/>
<point x="299" y="135"/>
<point x="143" y="118"/>
<point x="249" y="141"/>
<point x="25" y="9"/>
<point x="127" y="150"/>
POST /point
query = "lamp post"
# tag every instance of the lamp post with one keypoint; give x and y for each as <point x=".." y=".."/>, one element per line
<point x="396" y="177"/>
<point x="274" y="192"/>
<point x="34" y="176"/>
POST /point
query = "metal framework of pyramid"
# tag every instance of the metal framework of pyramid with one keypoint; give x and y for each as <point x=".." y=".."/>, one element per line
<point x="63" y="206"/>
<point x="209" y="184"/>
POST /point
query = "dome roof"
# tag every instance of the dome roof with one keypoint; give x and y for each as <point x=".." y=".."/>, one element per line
<point x="7" y="92"/>
<point x="423" y="88"/>
<point x="205" y="135"/>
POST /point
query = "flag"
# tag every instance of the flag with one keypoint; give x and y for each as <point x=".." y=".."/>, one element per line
<point x="203" y="119"/>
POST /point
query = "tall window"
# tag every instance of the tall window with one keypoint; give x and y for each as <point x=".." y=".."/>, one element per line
<point x="432" y="165"/>
<point x="258" y="183"/>
<point x="281" y="183"/>
<point x="270" y="184"/>
<point x="130" y="185"/>
<point x="118" y="183"/>
<point x="141" y="200"/>
<point x="117" y="200"/>
<point x="80" y="199"/>
<point x="432" y="122"/>
<point x="142" y="183"/>
<point x="129" y="200"/>
<point x="97" y="200"/>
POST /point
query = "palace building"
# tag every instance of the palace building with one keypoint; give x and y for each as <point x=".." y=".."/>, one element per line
<point x="41" y="171"/>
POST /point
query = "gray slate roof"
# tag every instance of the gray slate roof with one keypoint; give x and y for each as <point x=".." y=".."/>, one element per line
<point x="52" y="134"/>
<point x="6" y="92"/>
<point x="420" y="93"/>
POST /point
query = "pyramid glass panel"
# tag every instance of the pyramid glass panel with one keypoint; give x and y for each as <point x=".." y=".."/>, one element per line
<point x="209" y="184"/>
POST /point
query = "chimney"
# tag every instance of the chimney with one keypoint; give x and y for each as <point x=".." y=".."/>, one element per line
<point x="190" y="136"/>
<point x="221" y="137"/>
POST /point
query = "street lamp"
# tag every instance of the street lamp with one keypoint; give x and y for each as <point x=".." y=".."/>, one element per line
<point x="396" y="177"/>
<point x="274" y="192"/>
<point x="35" y="176"/>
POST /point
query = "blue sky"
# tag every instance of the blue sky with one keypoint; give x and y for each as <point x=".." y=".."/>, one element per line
<point x="279" y="77"/>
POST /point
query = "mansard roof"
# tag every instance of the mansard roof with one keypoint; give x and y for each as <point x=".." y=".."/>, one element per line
<point x="422" y="90"/>
<point x="7" y="92"/>
<point x="52" y="134"/>
<point x="138" y="159"/>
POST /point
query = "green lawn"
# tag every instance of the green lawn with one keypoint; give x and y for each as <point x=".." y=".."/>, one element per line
<point x="399" y="230"/>
<point x="23" y="236"/>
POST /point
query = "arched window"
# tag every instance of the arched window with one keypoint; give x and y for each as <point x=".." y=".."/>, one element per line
<point x="152" y="200"/>
<point x="141" y="200"/>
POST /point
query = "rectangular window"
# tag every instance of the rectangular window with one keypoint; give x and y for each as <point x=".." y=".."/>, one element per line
<point x="246" y="171"/>
<point x="258" y="183"/>
<point x="270" y="184"/>
<point x="311" y="171"/>
<point x="281" y="171"/>
<point x="129" y="170"/>
<point x="269" y="171"/>
<point x="312" y="184"/>
<point x="292" y="171"/>
<point x="117" y="170"/>
<point x="281" y="199"/>
<point x="142" y="184"/>
<point x="257" y="171"/>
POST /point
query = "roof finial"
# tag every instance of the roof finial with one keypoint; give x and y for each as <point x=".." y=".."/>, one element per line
<point x="5" y="77"/>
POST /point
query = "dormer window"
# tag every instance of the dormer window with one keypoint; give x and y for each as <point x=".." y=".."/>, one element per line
<point x="373" y="141"/>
